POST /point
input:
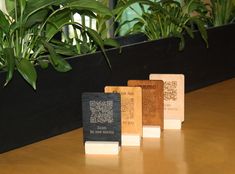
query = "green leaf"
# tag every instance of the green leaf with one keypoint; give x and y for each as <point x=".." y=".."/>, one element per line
<point x="62" y="64"/>
<point x="10" y="5"/>
<point x="96" y="37"/>
<point x="43" y="64"/>
<point x="189" y="31"/>
<point x="202" y="29"/>
<point x="22" y="4"/>
<point x="126" y="22"/>
<point x="137" y="27"/>
<point x="92" y="5"/>
<point x="182" y="40"/>
<point x="63" y="48"/>
<point x="84" y="48"/>
<point x="14" y="26"/>
<point x="98" y="40"/>
<point x="4" y="24"/>
<point x="182" y="43"/>
<point x="10" y="59"/>
<point x="111" y="42"/>
<point x="57" y="62"/>
<point x="56" y="22"/>
<point x="28" y="72"/>
<point x="66" y="51"/>
<point x="36" y="5"/>
<point x="37" y="18"/>
<point x="121" y="6"/>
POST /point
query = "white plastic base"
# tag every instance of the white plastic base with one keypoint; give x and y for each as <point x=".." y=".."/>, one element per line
<point x="131" y="140"/>
<point x="172" y="124"/>
<point x="102" y="147"/>
<point x="151" y="131"/>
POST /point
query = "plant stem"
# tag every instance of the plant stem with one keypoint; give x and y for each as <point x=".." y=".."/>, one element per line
<point x="17" y="33"/>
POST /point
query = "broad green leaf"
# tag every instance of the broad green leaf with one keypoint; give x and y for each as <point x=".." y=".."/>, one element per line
<point x="194" y="6"/>
<point x="4" y="24"/>
<point x="43" y="63"/>
<point x="122" y="6"/>
<point x="10" y="59"/>
<point x="83" y="47"/>
<point x="1" y="41"/>
<point x="62" y="64"/>
<point x="118" y="29"/>
<point x="138" y="26"/>
<point x="14" y="26"/>
<point x="57" y="62"/>
<point x="201" y="29"/>
<point x="111" y="42"/>
<point x="28" y="72"/>
<point x="182" y="41"/>
<point x="92" y="5"/>
<point x="10" y="5"/>
<point x="56" y="22"/>
<point x="189" y="31"/>
<point x="36" y="5"/>
<point x="96" y="37"/>
<point x="98" y="40"/>
<point x="65" y="51"/>
<point x="63" y="48"/>
<point x="37" y="18"/>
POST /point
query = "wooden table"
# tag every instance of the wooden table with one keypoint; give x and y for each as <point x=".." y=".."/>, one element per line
<point x="205" y="145"/>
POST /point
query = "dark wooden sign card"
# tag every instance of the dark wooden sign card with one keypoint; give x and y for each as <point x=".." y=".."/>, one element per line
<point x="152" y="92"/>
<point x="101" y="116"/>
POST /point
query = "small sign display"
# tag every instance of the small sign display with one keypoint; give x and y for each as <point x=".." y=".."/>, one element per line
<point x="152" y="92"/>
<point x="101" y="116"/>
<point x="131" y="108"/>
<point x="173" y="95"/>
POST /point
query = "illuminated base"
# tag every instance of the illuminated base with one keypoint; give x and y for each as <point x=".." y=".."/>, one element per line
<point x="172" y="124"/>
<point x="151" y="131"/>
<point x="131" y="140"/>
<point x="102" y="147"/>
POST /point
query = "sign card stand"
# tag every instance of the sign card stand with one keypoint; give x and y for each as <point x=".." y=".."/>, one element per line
<point x="151" y="131"/>
<point x="101" y="123"/>
<point x="131" y="140"/>
<point x="102" y="147"/>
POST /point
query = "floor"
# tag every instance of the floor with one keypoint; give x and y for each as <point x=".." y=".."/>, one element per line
<point x="205" y="145"/>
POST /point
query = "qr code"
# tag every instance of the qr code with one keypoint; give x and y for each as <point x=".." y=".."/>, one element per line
<point x="170" y="91"/>
<point x="101" y="111"/>
<point x="127" y="108"/>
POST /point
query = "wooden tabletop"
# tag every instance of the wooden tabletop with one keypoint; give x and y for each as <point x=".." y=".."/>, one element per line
<point x="205" y="145"/>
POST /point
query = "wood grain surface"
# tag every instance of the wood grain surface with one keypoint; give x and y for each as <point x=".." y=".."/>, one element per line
<point x="131" y="108"/>
<point x="152" y="91"/>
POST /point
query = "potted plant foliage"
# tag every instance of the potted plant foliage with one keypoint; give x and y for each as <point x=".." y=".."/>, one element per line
<point x="222" y="12"/>
<point x="28" y="31"/>
<point x="28" y="44"/>
<point x="163" y="19"/>
<point x="187" y="20"/>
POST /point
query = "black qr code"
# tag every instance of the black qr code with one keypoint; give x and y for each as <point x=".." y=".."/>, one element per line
<point x="101" y="111"/>
<point x="170" y="90"/>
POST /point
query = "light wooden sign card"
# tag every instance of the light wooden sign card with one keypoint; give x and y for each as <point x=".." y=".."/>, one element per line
<point x="173" y="95"/>
<point x="131" y="108"/>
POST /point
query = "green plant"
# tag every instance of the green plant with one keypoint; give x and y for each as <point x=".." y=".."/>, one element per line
<point x="27" y="34"/>
<point x="222" y="12"/>
<point x="166" y="18"/>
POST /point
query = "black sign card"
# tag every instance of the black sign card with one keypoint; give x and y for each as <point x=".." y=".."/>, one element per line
<point x="101" y="116"/>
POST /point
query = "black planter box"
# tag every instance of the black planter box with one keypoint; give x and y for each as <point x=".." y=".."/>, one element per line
<point x="28" y="116"/>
